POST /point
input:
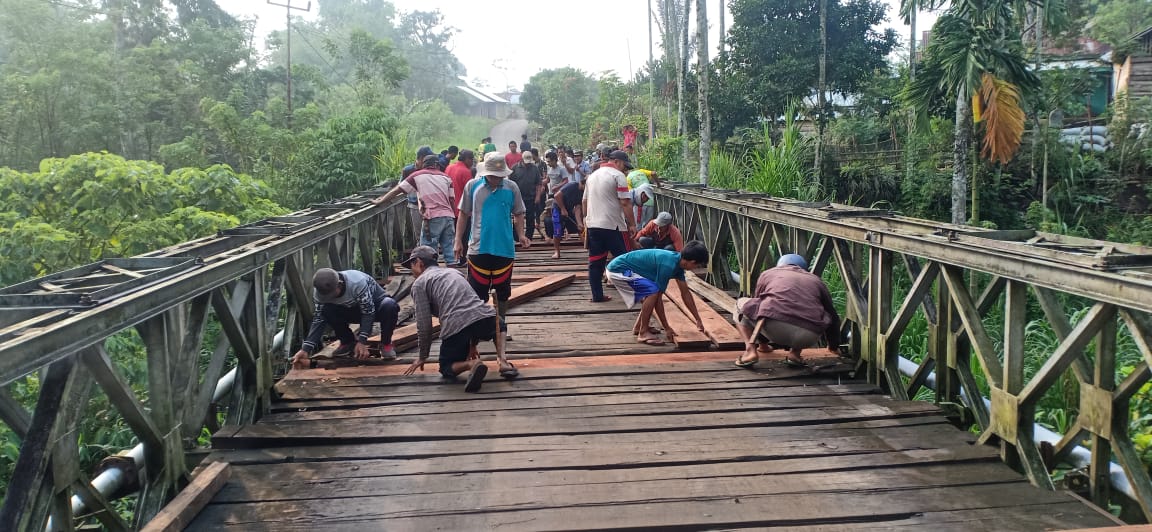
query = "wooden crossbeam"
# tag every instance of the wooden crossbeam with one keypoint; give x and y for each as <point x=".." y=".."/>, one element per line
<point x="718" y="328"/>
<point x="1068" y="350"/>
<point x="183" y="509"/>
<point x="969" y="315"/>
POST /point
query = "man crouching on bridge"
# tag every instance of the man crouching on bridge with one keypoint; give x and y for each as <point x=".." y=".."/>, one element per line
<point x="464" y="321"/>
<point x="791" y="306"/>
<point x="346" y="297"/>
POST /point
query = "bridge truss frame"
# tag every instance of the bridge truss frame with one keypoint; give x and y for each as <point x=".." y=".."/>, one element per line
<point x="253" y="280"/>
<point x="959" y="273"/>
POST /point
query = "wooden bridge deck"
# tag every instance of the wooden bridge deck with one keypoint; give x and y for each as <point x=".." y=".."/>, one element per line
<point x="653" y="439"/>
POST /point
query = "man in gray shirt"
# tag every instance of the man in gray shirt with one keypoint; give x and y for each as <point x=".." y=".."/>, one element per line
<point x="346" y="297"/>
<point x="464" y="321"/>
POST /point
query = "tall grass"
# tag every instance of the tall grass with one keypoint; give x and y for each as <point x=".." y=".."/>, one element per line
<point x="783" y="168"/>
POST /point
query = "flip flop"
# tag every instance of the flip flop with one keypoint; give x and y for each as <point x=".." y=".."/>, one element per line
<point x="795" y="363"/>
<point x="740" y="363"/>
<point x="602" y="300"/>
<point x="510" y="373"/>
<point x="651" y="341"/>
<point x="476" y="379"/>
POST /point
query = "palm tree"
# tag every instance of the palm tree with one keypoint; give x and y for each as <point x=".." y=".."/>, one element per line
<point x="976" y="56"/>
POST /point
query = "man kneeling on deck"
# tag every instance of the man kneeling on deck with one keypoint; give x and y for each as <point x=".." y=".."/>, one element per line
<point x="464" y="321"/>
<point x="643" y="275"/>
<point x="792" y="307"/>
<point x="345" y="297"/>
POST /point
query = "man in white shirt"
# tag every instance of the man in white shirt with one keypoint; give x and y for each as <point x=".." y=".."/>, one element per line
<point x="607" y="207"/>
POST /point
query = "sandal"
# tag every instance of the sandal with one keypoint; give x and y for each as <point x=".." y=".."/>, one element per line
<point x="510" y="372"/>
<point x="740" y="363"/>
<point x="792" y="363"/>
<point x="476" y="379"/>
<point x="650" y="341"/>
<point x="603" y="299"/>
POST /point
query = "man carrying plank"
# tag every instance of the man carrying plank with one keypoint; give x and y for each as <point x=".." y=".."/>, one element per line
<point x="642" y="277"/>
<point x="464" y="321"/>
<point x="790" y="306"/>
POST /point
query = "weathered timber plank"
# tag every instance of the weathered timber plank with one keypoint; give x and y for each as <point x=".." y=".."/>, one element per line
<point x="718" y="328"/>
<point x="717" y="296"/>
<point x="494" y="426"/>
<point x="696" y="509"/>
<point x="687" y="335"/>
<point x="586" y="488"/>
<point x="184" y="508"/>
<point x="320" y="400"/>
<point x="768" y="437"/>
<point x="416" y="405"/>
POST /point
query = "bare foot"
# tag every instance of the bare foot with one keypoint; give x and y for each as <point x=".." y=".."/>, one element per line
<point x="555" y="255"/>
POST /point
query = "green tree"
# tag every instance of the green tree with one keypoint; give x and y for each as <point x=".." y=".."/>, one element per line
<point x="976" y="55"/>
<point x="559" y="99"/>
<point x="1117" y="21"/>
<point x="772" y="47"/>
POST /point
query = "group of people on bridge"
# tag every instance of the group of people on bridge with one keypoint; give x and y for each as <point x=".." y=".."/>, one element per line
<point x="475" y="215"/>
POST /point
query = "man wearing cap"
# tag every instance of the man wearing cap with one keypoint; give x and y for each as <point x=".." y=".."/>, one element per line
<point x="660" y="233"/>
<point x="581" y="169"/>
<point x="488" y="207"/>
<point x="566" y="214"/>
<point x="790" y="306"/>
<point x="512" y="157"/>
<point x="433" y="188"/>
<point x="526" y="175"/>
<point x="346" y="297"/>
<point x="465" y="321"/>
<point x="607" y="207"/>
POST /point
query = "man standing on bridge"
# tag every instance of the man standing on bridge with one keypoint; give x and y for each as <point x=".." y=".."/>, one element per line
<point x="434" y="190"/>
<point x="464" y="321"/>
<point x="512" y="158"/>
<point x="346" y="297"/>
<point x="487" y="209"/>
<point x="790" y="306"/>
<point x="607" y="208"/>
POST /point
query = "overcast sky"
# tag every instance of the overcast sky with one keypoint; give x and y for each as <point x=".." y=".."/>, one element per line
<point x="505" y="42"/>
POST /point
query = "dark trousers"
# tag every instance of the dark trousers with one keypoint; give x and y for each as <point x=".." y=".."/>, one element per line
<point x="647" y="242"/>
<point x="601" y="243"/>
<point x="338" y="317"/>
<point x="531" y="215"/>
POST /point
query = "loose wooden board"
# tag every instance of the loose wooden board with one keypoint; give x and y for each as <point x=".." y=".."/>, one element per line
<point x="718" y="328"/>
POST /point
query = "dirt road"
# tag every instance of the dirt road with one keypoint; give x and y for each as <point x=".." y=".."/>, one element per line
<point x="508" y="130"/>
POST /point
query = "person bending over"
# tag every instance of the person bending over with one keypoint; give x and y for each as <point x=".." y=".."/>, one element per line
<point x="642" y="277"/>
<point x="342" y="298"/>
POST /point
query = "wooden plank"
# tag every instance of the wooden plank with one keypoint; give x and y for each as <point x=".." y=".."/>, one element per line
<point x="691" y="509"/>
<point x="502" y="425"/>
<point x="687" y="335"/>
<point x="184" y="508"/>
<point x="717" y="296"/>
<point x="717" y="327"/>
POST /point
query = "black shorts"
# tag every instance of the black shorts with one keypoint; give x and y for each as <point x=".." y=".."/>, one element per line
<point x="490" y="272"/>
<point x="602" y="242"/>
<point x="455" y="348"/>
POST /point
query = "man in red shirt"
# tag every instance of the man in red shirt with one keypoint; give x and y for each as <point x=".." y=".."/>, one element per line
<point x="513" y="156"/>
<point x="460" y="172"/>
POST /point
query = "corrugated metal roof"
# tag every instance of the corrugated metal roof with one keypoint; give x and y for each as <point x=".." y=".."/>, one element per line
<point x="484" y="97"/>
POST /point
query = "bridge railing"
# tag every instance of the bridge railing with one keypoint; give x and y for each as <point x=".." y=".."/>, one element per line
<point x="253" y="281"/>
<point x="957" y="275"/>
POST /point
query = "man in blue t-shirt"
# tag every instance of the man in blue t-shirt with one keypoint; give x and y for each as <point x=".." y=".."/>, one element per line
<point x="642" y="277"/>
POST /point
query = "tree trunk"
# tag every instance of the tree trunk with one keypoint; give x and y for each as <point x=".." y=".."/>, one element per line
<point x="702" y="73"/>
<point x="961" y="146"/>
<point x="821" y="104"/>
<point x="912" y="46"/>
<point x="723" y="30"/>
<point x="683" y="77"/>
